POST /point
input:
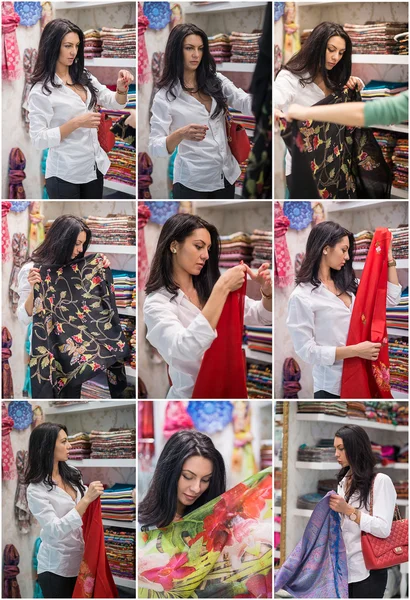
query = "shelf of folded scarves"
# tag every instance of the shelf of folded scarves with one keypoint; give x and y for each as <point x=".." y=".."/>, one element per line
<point x="128" y="583"/>
<point x="111" y="249"/>
<point x="380" y="59"/>
<point x="399" y="193"/>
<point x="342" y="205"/>
<point x="399" y="395"/>
<point x="89" y="406"/>
<point x="120" y="187"/>
<point x="257" y="356"/>
<point x="400" y="502"/>
<point x="121" y="524"/>
<point x="220" y="6"/>
<point x="328" y="466"/>
<point x="104" y="462"/>
<point x="399" y="128"/>
<point x="362" y="422"/>
<point x="130" y="371"/>
<point x="236" y="67"/>
<point x="121" y="63"/>
<point x="127" y="310"/>
<point x="401" y="263"/>
<point x="398" y="332"/>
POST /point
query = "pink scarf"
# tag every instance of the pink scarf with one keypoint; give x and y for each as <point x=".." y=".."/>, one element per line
<point x="143" y="66"/>
<point x="283" y="264"/>
<point x="7" y="458"/>
<point x="144" y="214"/>
<point x="10" y="62"/>
<point x="5" y="235"/>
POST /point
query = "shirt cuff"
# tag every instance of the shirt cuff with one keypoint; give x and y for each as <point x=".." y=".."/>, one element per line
<point x="327" y="355"/>
<point x="158" y="147"/>
<point x="205" y="329"/>
<point x="264" y="314"/>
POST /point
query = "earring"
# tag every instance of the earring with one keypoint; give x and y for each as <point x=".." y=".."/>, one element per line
<point x="174" y="251"/>
<point x="324" y="252"/>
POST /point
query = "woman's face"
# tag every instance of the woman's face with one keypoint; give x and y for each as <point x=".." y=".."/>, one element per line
<point x="68" y="49"/>
<point x="337" y="256"/>
<point x="340" y="452"/>
<point x="79" y="244"/>
<point x="336" y="47"/>
<point x="193" y="49"/>
<point x="192" y="254"/>
<point x="194" y="479"/>
<point x="62" y="446"/>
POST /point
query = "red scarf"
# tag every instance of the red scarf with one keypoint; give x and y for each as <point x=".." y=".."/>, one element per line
<point x="222" y="373"/>
<point x="94" y="579"/>
<point x="367" y="378"/>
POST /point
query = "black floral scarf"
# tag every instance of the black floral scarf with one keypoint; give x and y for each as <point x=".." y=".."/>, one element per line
<point x="76" y="328"/>
<point x="335" y="161"/>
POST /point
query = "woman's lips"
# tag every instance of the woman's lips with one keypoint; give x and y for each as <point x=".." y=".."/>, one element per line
<point x="190" y="497"/>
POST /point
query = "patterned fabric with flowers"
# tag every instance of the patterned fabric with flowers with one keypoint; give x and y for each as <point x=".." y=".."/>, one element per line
<point x="335" y="161"/>
<point x="220" y="550"/>
<point x="76" y="328"/>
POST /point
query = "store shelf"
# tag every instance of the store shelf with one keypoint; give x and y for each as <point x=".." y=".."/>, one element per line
<point x="90" y="406"/>
<point x="111" y="62"/>
<point x="329" y="466"/>
<point x="277" y="510"/>
<point x="128" y="583"/>
<point x="236" y="67"/>
<point x="112" y="249"/>
<point x="304" y="512"/>
<point x="380" y="59"/>
<point x="399" y="395"/>
<point x="238" y="204"/>
<point x="277" y="464"/>
<point x="221" y="7"/>
<point x="362" y="422"/>
<point x="258" y="356"/>
<point x="120" y="187"/>
<point x="125" y="463"/>
<point x="122" y="524"/>
<point x="398" y="193"/>
<point x="399" y="332"/>
<point x="401" y="263"/>
<point x="70" y="5"/>
<point x="127" y="310"/>
<point x="277" y="554"/>
<point x="397" y="128"/>
<point x="342" y="205"/>
<point x="402" y="502"/>
<point x="130" y="371"/>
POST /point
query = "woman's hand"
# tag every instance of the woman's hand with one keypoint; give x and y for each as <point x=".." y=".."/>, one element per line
<point x="124" y="80"/>
<point x="131" y="120"/>
<point x="89" y="119"/>
<point x="368" y="350"/>
<point x="353" y="81"/>
<point x="339" y="504"/>
<point x="105" y="262"/>
<point x="278" y="114"/>
<point x="194" y="132"/>
<point x="297" y="112"/>
<point x="233" y="278"/>
<point x="34" y="276"/>
<point x="95" y="490"/>
<point x="263" y="277"/>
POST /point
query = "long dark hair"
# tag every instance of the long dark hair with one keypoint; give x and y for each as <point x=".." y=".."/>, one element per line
<point x="324" y="234"/>
<point x="160" y="503"/>
<point x="59" y="242"/>
<point x="173" y="71"/>
<point x="41" y="458"/>
<point x="48" y="53"/>
<point x="361" y="459"/>
<point x="311" y="58"/>
<point x="177" y="228"/>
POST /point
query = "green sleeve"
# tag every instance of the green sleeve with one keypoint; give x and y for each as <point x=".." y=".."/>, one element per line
<point x="387" y="111"/>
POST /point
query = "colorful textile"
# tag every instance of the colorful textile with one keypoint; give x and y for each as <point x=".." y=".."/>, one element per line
<point x="118" y="43"/>
<point x="234" y="248"/>
<point x="258" y="338"/>
<point x="124" y="284"/>
<point x="262" y="248"/>
<point x="291" y="378"/>
<point x="21" y="509"/>
<point x="244" y="47"/>
<point x="113" y="229"/>
<point x="176" y="418"/>
<point x="317" y="568"/>
<point x="19" y="205"/>
<point x="162" y="211"/>
<point x="10" y="57"/>
<point x="292" y="36"/>
<point x="22" y="414"/>
<point x="144" y="214"/>
<point x="143" y="66"/>
<point x="157" y="65"/>
<point x="94" y="579"/>
<point x="76" y="329"/>
<point x="117" y="503"/>
<point x="5" y="235"/>
<point x="259" y="380"/>
<point x="11" y="559"/>
<point x="283" y="263"/>
<point x="300" y="214"/>
<point x="116" y="443"/>
<point x="145" y="167"/>
<point x="17" y="164"/>
<point x="37" y="589"/>
<point x="29" y="12"/>
<point x="120" y="548"/>
<point x="210" y="417"/>
<point x="6" y="376"/>
<point x="364" y="378"/>
<point x="374" y="37"/>
<point x="80" y="446"/>
<point x="36" y="233"/>
<point x="243" y="460"/>
<point x="158" y="14"/>
<point x="19" y="247"/>
<point x="189" y="556"/>
<point x="7" y="457"/>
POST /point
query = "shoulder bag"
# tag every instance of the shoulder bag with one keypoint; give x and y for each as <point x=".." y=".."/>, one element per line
<point x="237" y="139"/>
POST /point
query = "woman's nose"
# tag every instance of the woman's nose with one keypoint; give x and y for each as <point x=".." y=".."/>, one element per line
<point x="195" y="488"/>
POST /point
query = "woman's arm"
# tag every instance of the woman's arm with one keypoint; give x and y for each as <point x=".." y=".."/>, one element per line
<point x="40" y="115"/>
<point x="236" y="97"/>
<point x="350" y="113"/>
<point x="384" y="500"/>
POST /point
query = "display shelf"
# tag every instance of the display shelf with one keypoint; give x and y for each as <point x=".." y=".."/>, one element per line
<point x="277" y="510"/>
<point x="402" y="502"/>
<point x="130" y="371"/>
<point x="257" y="356"/>
<point x="229" y="204"/>
<point x="121" y="524"/>
<point x="221" y="6"/>
<point x="278" y="464"/>
<point x="380" y="59"/>
<point x="399" y="395"/>
<point x="70" y="5"/>
<point x="104" y="462"/>
<point x="401" y="263"/>
<point x="277" y="554"/>
<point x="399" y="193"/>
<point x="236" y="67"/>
<point x="354" y="205"/>
<point x="110" y="62"/>
<point x="120" y="187"/>
<point x="305" y="512"/>
<point x="396" y="128"/>
<point x="343" y="420"/>
<point x="90" y="406"/>
<point x="128" y="583"/>
<point x="329" y="466"/>
<point x="398" y="332"/>
<point x="112" y="249"/>
<point x="127" y="310"/>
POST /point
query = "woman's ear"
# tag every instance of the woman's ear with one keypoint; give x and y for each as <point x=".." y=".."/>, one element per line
<point x="174" y="247"/>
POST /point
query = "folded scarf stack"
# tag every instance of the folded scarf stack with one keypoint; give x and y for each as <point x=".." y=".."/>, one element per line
<point x="387" y="142"/>
<point x="259" y="381"/>
<point x="398" y="316"/>
<point x="262" y="248"/>
<point x="220" y="47"/>
<point x="247" y="121"/>
<point x="245" y="47"/>
<point x="117" y="503"/>
<point x="124" y="284"/>
<point x="60" y="403"/>
<point x="400" y="160"/>
<point x="122" y="167"/>
<point x="120" y="549"/>
<point x="402" y="489"/>
<point x="92" y="43"/>
<point x="80" y="446"/>
<point x="362" y="241"/>
<point x="326" y="485"/>
<point x="399" y="363"/>
<point x="377" y="452"/>
<point x="403" y="455"/>
<point x="315" y="454"/>
<point x="116" y="443"/>
<point x="374" y="37"/>
<point x="400" y="242"/>
<point x="234" y="248"/>
<point x="96" y="388"/>
<point x="402" y="44"/>
<point x="118" y="43"/>
<point x="401" y="413"/>
<point x="118" y="230"/>
<point x="266" y="456"/>
<point x="128" y="326"/>
<point x="134" y="298"/>
<point x="133" y="344"/>
<point x="308" y="501"/>
<point x="259" y="338"/>
<point x="376" y="89"/>
<point x="370" y="407"/>
<point x="383" y="410"/>
<point x="356" y="410"/>
<point x="338" y="409"/>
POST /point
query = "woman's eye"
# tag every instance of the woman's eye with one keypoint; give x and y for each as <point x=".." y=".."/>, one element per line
<point x="188" y="478"/>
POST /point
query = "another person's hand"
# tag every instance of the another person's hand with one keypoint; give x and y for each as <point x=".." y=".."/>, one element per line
<point x="278" y="114"/>
<point x="338" y="504"/>
<point x="297" y="112"/>
<point x="124" y="80"/>
<point x="368" y="350"/>
<point x="106" y="263"/>
<point x="34" y="276"/>
<point x="194" y="132"/>
<point x="90" y="120"/>
<point x="233" y="278"/>
<point x="263" y="277"/>
<point x="131" y="120"/>
<point x="352" y="81"/>
<point x="94" y="491"/>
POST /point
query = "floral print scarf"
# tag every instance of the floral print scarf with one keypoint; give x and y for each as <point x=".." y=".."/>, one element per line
<point x="335" y="161"/>
<point x="220" y="550"/>
<point x="76" y="328"/>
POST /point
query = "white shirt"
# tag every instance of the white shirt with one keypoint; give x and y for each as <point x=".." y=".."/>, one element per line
<point x="181" y="334"/>
<point x="379" y="525"/>
<point x="289" y="90"/>
<point x="201" y="166"/>
<point x="318" y="322"/>
<point x="24" y="290"/>
<point x="62" y="546"/>
<point x="72" y="159"/>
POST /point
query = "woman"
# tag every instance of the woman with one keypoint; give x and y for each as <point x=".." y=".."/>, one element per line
<point x="321" y="306"/>
<point x="186" y="295"/>
<point x="354" y="454"/>
<point x="190" y="472"/>
<point x="64" y="116"/>
<point x="189" y="112"/>
<point x="321" y="67"/>
<point x="68" y="238"/>
<point x="58" y="499"/>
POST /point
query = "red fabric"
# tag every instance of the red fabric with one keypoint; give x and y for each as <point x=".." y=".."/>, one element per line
<point x="144" y="214"/>
<point x="222" y="373"/>
<point x="94" y="579"/>
<point x="367" y="378"/>
<point x="283" y="263"/>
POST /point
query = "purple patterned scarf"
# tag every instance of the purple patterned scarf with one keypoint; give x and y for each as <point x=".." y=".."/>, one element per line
<point x="317" y="568"/>
<point x="17" y="164"/>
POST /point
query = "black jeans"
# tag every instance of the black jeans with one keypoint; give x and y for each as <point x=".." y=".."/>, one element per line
<point x="323" y="394"/>
<point x="372" y="587"/>
<point x="181" y="192"/>
<point x="55" y="586"/>
<point x="58" y="189"/>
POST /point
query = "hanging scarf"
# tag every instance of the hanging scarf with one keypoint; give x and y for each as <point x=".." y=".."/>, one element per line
<point x="317" y="568"/>
<point x="144" y="176"/>
<point x="144" y="214"/>
<point x="19" y="205"/>
<point x="27" y="347"/>
<point x="291" y="378"/>
<point x="370" y="378"/>
<point x="176" y="17"/>
<point x="299" y="258"/>
<point x="335" y="161"/>
<point x="37" y="589"/>
<point x="7" y="457"/>
<point x="143" y="66"/>
<point x="10" y="62"/>
<point x="21" y="509"/>
<point x="222" y="373"/>
<point x="17" y="163"/>
<point x="176" y="418"/>
<point x="36" y="234"/>
<point x="157" y="64"/>
<point x="283" y="264"/>
<point x="19" y="247"/>
<point x="11" y="559"/>
<point x="76" y="328"/>
<point x="7" y="391"/>
<point x="5" y="235"/>
<point x="291" y="43"/>
<point x="94" y="579"/>
<point x="47" y="14"/>
<point x="29" y="62"/>
<point x="190" y="557"/>
<point x="243" y="460"/>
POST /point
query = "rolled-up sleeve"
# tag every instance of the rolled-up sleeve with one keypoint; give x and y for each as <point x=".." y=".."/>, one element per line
<point x="40" y="115"/>
<point x="256" y="314"/>
<point x="301" y="325"/>
<point x="285" y="90"/>
<point x="23" y="291"/>
<point x="106" y="97"/>
<point x="384" y="500"/>
<point x="236" y="97"/>
<point x="160" y="127"/>
<point x="52" y="525"/>
<point x="393" y="294"/>
<point x="169" y="336"/>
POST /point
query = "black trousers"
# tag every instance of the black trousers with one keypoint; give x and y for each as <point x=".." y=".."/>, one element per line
<point x="58" y="189"/>
<point x="372" y="587"/>
<point x="55" y="586"/>
<point x="181" y="192"/>
<point x="323" y="394"/>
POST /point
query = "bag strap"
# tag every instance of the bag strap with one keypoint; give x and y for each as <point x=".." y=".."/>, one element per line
<point x="396" y="516"/>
